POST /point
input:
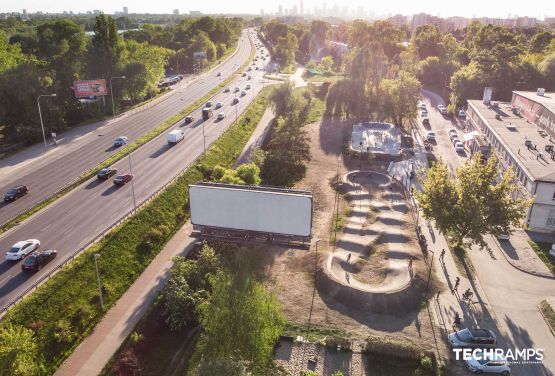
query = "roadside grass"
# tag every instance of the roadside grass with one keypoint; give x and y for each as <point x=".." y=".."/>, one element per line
<point x="317" y="333"/>
<point x="289" y="69"/>
<point x="318" y="106"/>
<point x="548" y="314"/>
<point x="542" y="250"/>
<point x="326" y="77"/>
<point x="392" y="365"/>
<point x="123" y="152"/>
<point x="63" y="311"/>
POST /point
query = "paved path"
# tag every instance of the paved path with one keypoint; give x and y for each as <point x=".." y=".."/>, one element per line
<point x="358" y="235"/>
<point x="257" y="137"/>
<point x="96" y="350"/>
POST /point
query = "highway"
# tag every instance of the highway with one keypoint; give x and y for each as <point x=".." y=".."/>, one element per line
<point x="79" y="216"/>
<point x="54" y="169"/>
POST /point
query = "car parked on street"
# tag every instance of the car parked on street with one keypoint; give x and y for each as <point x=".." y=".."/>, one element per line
<point x="425" y="120"/>
<point x="430" y="136"/>
<point x="21" y="249"/>
<point x="462" y="114"/>
<point x="452" y="132"/>
<point x="475" y="338"/>
<point x="37" y="260"/>
<point x="459" y="147"/>
<point x="123" y="179"/>
<point x="119" y="141"/>
<point x="15" y="193"/>
<point x="488" y="362"/>
<point x="106" y="173"/>
<point x="424" y="113"/>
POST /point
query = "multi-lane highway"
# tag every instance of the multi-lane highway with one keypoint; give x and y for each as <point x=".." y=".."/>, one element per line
<point x="82" y="214"/>
<point x="48" y="173"/>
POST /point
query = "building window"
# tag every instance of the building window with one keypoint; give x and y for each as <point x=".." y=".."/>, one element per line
<point x="553" y="196"/>
<point x="551" y="218"/>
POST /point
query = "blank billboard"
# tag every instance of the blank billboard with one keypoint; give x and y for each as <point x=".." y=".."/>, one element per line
<point x="275" y="211"/>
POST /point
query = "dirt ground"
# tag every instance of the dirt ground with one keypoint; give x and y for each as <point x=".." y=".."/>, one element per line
<point x="291" y="271"/>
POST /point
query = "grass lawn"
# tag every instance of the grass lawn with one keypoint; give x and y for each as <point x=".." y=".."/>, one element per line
<point x="316" y="334"/>
<point x="326" y="77"/>
<point x="389" y="365"/>
<point x="64" y="310"/>
<point x="549" y="314"/>
<point x="542" y="250"/>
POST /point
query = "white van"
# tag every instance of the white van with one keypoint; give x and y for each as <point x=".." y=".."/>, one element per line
<point x="175" y="136"/>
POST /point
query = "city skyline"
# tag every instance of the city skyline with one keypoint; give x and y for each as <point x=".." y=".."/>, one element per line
<point x="472" y="8"/>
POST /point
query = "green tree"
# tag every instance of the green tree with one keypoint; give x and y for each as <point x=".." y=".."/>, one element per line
<point x="474" y="203"/>
<point x="245" y="174"/>
<point x="326" y="64"/>
<point x="540" y="41"/>
<point x="10" y="54"/>
<point x="286" y="49"/>
<point x="18" y="351"/>
<point x="241" y="319"/>
<point x="432" y="71"/>
<point x="220" y="367"/>
<point x="400" y="97"/>
<point x="106" y="48"/>
<point x="428" y="41"/>
<point x="466" y="83"/>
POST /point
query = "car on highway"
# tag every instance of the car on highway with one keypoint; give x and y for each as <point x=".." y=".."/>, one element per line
<point x="430" y="136"/>
<point x="37" y="260"/>
<point x="462" y="114"/>
<point x="489" y="362"/>
<point x="219" y="104"/>
<point x="235" y="100"/>
<point x="237" y="89"/>
<point x="219" y="74"/>
<point x="243" y="93"/>
<point x="189" y="119"/>
<point x="459" y="147"/>
<point x="244" y="74"/>
<point x="221" y="116"/>
<point x="106" y="173"/>
<point x="227" y="89"/>
<point x="249" y="69"/>
<point x="248" y="86"/>
<point x="21" y="249"/>
<point x="249" y="77"/>
<point x="119" y="141"/>
<point x="208" y="104"/>
<point x="123" y="178"/>
<point x="15" y="193"/>
<point x="475" y="338"/>
<point x="256" y="68"/>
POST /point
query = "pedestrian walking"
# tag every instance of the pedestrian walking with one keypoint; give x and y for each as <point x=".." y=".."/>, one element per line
<point x="437" y="296"/>
<point x="457" y="281"/>
<point x="348" y="258"/>
<point x="442" y="256"/>
<point x="410" y="265"/>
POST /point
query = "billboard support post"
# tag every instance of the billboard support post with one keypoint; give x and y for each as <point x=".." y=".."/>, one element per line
<point x="112" y="95"/>
<point x="40" y="115"/>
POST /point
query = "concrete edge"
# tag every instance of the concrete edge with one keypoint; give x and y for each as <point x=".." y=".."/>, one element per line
<point x="551" y="329"/>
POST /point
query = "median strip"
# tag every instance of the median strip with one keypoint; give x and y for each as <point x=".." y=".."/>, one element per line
<point x="122" y="153"/>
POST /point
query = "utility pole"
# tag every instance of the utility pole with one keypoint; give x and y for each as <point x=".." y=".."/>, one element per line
<point x="112" y="95"/>
<point x="40" y="115"/>
<point x="96" y="256"/>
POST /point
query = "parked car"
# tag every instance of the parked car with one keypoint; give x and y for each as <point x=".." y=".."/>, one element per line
<point x="503" y="237"/>
<point x="477" y="338"/>
<point x="189" y="119"/>
<point x="21" y="249"/>
<point x="221" y="116"/>
<point x="452" y="132"/>
<point x="455" y="139"/>
<point x="106" y="173"/>
<point x="227" y="89"/>
<point x="245" y="74"/>
<point x="442" y="110"/>
<point x="422" y="106"/>
<point x="37" y="260"/>
<point x="219" y="105"/>
<point x="119" y="141"/>
<point x="430" y="136"/>
<point x="235" y="100"/>
<point x="123" y="178"/>
<point x="423" y="113"/>
<point x="15" y="193"/>
<point x="462" y="114"/>
<point x="490" y="362"/>
<point x="425" y="120"/>
<point x="459" y="147"/>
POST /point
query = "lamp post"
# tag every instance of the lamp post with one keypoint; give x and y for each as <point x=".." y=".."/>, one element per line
<point x="444" y="75"/>
<point x="203" y="136"/>
<point x="40" y="115"/>
<point x="131" y="172"/>
<point x="112" y="94"/>
<point x="95" y="256"/>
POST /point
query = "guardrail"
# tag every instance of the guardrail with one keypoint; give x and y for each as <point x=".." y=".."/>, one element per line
<point x="100" y="236"/>
<point x="127" y="113"/>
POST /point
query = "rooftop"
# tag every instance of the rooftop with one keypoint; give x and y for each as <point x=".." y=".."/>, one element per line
<point x="548" y="99"/>
<point x="513" y="130"/>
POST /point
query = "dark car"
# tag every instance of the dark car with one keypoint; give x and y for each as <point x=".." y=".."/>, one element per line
<point x="478" y="338"/>
<point x="235" y="101"/>
<point x="36" y="260"/>
<point x="106" y="173"/>
<point x="15" y="193"/>
<point x="122" y="179"/>
<point x="189" y="119"/>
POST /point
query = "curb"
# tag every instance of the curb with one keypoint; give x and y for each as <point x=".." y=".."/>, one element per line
<point x="529" y="272"/>
<point x="551" y="329"/>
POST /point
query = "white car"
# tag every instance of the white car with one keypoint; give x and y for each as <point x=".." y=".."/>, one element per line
<point x="459" y="147"/>
<point x="219" y="104"/>
<point x="221" y="116"/>
<point x="462" y="114"/>
<point x="21" y="249"/>
<point x="452" y="132"/>
<point x="488" y="362"/>
<point x="430" y="136"/>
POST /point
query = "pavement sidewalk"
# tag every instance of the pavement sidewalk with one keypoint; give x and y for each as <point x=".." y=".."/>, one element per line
<point x="90" y="357"/>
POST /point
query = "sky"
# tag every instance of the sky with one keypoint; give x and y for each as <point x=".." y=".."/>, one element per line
<point x="442" y="8"/>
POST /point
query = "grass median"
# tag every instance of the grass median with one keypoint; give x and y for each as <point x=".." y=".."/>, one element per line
<point x="64" y="310"/>
<point x="123" y="152"/>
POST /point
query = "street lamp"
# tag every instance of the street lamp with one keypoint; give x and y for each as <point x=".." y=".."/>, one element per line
<point x="40" y="115"/>
<point x="131" y="172"/>
<point x="203" y="136"/>
<point x="95" y="256"/>
<point x="112" y="94"/>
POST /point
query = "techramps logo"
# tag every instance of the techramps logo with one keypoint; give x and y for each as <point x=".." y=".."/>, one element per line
<point x="510" y="356"/>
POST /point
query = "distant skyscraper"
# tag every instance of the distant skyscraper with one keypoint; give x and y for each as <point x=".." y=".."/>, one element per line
<point x="280" y="10"/>
<point x="262" y="12"/>
<point x="125" y="11"/>
<point x="301" y="7"/>
<point x="176" y="12"/>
